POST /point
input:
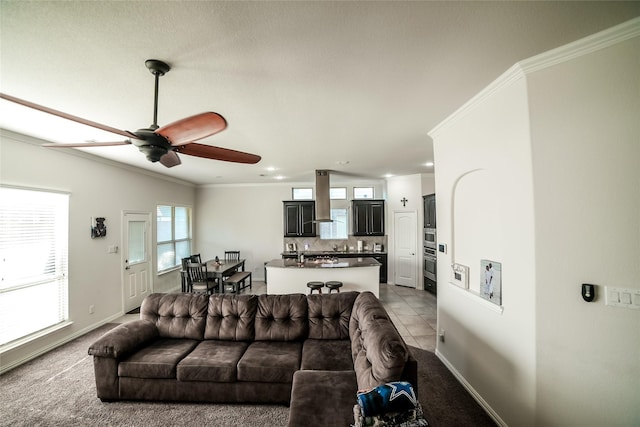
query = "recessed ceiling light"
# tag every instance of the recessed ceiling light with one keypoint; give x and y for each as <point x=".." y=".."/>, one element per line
<point x="389" y="175"/>
<point x="429" y="164"/>
<point x="271" y="168"/>
<point x="279" y="177"/>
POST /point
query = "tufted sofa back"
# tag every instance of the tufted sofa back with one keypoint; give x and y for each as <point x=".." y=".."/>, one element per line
<point x="176" y="315"/>
<point x="281" y="318"/>
<point x="231" y="317"/>
<point x="379" y="352"/>
<point x="329" y="315"/>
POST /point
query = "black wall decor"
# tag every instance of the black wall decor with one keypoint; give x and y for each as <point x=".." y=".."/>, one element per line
<point x="99" y="230"/>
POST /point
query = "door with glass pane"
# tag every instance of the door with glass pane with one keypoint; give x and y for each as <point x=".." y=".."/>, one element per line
<point x="136" y="283"/>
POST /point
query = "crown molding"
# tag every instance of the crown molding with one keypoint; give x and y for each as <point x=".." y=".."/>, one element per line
<point x="601" y="40"/>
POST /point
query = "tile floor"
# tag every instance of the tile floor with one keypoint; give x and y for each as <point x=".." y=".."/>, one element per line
<point x="412" y="311"/>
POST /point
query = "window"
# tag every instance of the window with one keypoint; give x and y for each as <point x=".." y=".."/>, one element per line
<point x="34" y="236"/>
<point x="303" y="194"/>
<point x="173" y="235"/>
<point x="336" y="229"/>
<point x="363" y="192"/>
<point x="338" y="193"/>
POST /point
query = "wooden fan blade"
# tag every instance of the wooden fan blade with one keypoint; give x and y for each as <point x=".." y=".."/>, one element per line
<point x="71" y="117"/>
<point x="218" y="153"/>
<point x="193" y="128"/>
<point x="170" y="159"/>
<point x="87" y="144"/>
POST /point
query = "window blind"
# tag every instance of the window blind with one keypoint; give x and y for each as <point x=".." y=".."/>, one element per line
<point x="34" y="229"/>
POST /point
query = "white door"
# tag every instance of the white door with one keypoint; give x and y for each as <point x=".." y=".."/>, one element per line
<point x="136" y="259"/>
<point x="405" y="231"/>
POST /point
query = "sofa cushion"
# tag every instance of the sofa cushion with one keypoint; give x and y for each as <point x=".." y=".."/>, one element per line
<point x="212" y="361"/>
<point x="329" y="315"/>
<point x="327" y="355"/>
<point x="270" y="361"/>
<point x="322" y="399"/>
<point x="157" y="360"/>
<point x="281" y="318"/>
<point x="176" y="315"/>
<point x="231" y="317"/>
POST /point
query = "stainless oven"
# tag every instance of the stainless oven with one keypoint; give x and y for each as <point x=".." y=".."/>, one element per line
<point x="430" y="237"/>
<point x="430" y="263"/>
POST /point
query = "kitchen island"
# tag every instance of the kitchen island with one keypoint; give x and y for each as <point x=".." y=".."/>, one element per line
<point x="357" y="274"/>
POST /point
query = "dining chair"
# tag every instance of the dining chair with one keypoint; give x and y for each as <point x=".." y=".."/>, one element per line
<point x="229" y="257"/>
<point x="199" y="278"/>
<point x="184" y="274"/>
<point x="232" y="255"/>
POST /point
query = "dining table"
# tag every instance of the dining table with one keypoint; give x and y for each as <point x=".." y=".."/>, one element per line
<point x="222" y="268"/>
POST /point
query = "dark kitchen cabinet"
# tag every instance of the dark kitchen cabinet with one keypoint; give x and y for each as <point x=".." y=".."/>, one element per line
<point x="299" y="217"/>
<point x="429" y="211"/>
<point x="368" y="217"/>
<point x="382" y="259"/>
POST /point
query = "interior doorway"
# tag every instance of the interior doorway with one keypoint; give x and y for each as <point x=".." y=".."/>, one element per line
<point x="405" y="230"/>
<point x="136" y="259"/>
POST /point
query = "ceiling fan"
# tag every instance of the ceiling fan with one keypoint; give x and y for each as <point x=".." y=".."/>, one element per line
<point x="159" y="143"/>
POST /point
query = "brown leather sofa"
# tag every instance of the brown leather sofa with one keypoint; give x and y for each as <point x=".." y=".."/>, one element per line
<point x="311" y="352"/>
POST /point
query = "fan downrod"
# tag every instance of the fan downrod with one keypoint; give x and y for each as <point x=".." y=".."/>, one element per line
<point x="157" y="67"/>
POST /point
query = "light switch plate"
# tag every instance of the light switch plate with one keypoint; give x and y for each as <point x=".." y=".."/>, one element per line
<point x="621" y="297"/>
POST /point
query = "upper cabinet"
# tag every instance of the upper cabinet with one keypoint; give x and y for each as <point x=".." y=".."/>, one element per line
<point x="299" y="217"/>
<point x="429" y="211"/>
<point x="368" y="217"/>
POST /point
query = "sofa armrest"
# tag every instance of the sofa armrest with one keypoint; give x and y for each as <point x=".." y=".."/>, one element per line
<point x="124" y="339"/>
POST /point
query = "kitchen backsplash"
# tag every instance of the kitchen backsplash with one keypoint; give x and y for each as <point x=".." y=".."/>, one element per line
<point x="351" y="244"/>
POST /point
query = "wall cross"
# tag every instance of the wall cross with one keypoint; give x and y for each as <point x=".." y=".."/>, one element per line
<point x="404" y="202"/>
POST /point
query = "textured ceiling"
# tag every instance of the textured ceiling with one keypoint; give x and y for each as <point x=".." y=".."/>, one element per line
<point x="306" y="85"/>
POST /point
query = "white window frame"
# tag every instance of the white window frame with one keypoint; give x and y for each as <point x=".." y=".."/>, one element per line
<point x="173" y="241"/>
<point x="366" y="197"/>
<point x="34" y="253"/>
<point x="338" y="193"/>
<point x="302" y="193"/>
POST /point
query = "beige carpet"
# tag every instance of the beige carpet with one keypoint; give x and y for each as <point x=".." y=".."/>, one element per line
<point x="58" y="389"/>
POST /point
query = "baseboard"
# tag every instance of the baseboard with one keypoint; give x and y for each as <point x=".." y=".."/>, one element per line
<point x="58" y="343"/>
<point x="476" y="396"/>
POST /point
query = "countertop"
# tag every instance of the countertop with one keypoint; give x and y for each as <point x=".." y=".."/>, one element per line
<point x="325" y="263"/>
<point x="334" y="253"/>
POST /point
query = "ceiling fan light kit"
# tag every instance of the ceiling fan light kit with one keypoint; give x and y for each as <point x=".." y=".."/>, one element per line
<point x="159" y="144"/>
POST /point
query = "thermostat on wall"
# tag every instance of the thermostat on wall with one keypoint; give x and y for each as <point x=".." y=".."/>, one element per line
<point x="442" y="247"/>
<point x="460" y="275"/>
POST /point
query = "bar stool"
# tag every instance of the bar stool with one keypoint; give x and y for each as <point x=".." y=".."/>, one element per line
<point x="315" y="286"/>
<point x="334" y="285"/>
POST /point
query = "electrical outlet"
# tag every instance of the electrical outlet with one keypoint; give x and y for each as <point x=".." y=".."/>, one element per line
<point x="92" y="309"/>
<point x="441" y="335"/>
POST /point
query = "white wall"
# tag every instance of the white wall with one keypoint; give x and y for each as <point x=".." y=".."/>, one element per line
<point x="247" y="218"/>
<point x="485" y="211"/>
<point x="585" y="117"/>
<point x="97" y="188"/>
<point x="539" y="172"/>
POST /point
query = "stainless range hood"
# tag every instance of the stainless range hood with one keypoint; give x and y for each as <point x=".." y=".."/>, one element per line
<point x="323" y="201"/>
